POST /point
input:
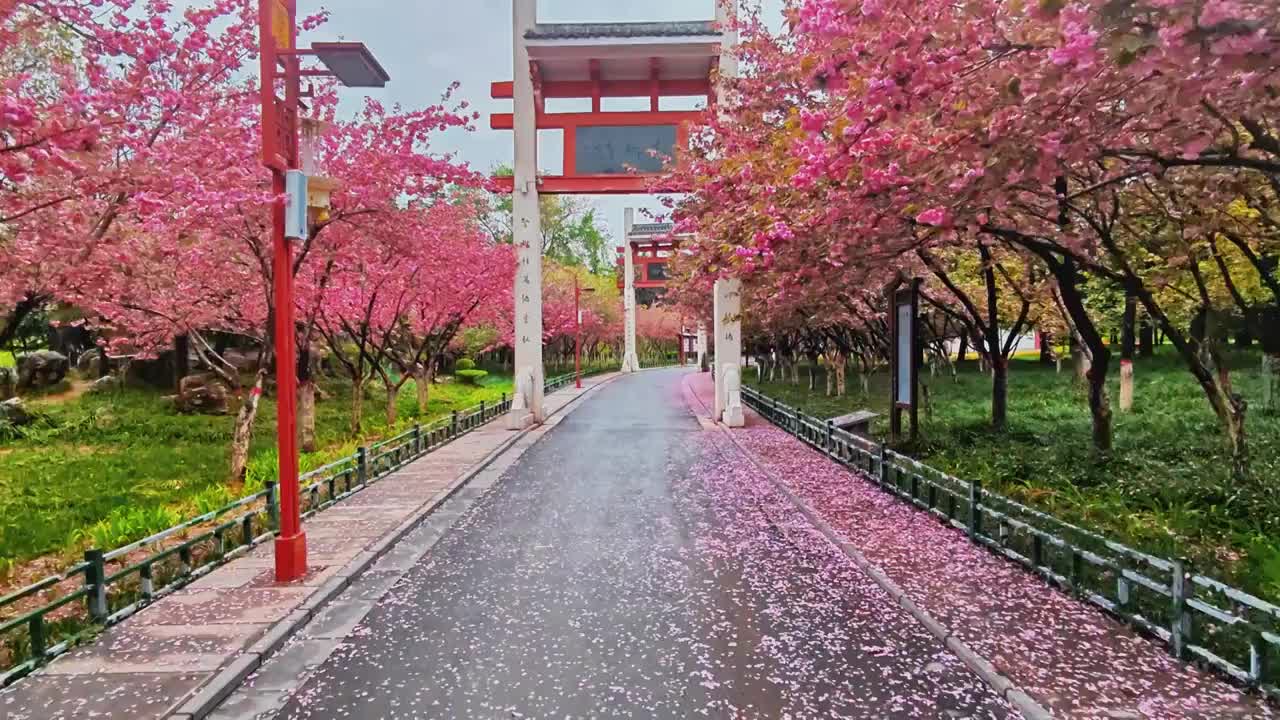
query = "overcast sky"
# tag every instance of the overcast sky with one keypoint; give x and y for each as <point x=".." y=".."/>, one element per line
<point x="427" y="44"/>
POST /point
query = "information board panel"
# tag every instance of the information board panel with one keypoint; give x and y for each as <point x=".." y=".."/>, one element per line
<point x="906" y="359"/>
<point x="618" y="150"/>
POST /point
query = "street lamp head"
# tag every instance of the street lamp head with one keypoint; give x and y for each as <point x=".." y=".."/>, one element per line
<point x="352" y="63"/>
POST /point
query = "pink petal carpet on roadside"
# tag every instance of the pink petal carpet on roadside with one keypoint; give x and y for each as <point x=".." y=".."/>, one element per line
<point x="1073" y="658"/>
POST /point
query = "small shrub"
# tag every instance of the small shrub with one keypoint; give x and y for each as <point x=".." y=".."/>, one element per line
<point x="466" y="364"/>
<point x="471" y="377"/>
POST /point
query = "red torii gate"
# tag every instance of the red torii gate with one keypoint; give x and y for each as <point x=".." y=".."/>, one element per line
<point x="604" y="152"/>
<point x="652" y="247"/>
<point x="615" y="60"/>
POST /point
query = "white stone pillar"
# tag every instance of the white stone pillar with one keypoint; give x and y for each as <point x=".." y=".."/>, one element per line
<point x="630" y="361"/>
<point x="527" y="408"/>
<point x="727" y="305"/>
<point x="726" y="11"/>
<point x="728" y="335"/>
<point x="701" y="345"/>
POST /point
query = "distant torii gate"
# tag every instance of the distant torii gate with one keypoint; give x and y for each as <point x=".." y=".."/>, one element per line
<point x="604" y="152"/>
<point x="643" y="267"/>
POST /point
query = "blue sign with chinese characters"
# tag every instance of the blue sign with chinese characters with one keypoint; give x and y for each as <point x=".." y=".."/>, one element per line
<point x="619" y="150"/>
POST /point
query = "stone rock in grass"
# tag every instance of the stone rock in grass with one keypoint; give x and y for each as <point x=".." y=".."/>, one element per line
<point x="8" y="383"/>
<point x="90" y="365"/>
<point x="201" y="395"/>
<point x="13" y="412"/>
<point x="104" y="384"/>
<point x="42" y="369"/>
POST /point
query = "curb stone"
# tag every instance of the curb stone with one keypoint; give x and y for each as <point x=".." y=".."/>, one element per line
<point x="1020" y="699"/>
<point x="207" y="698"/>
<point x="202" y="701"/>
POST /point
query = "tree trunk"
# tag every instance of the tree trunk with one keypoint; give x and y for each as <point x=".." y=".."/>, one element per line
<point x="1230" y="407"/>
<point x="422" y="382"/>
<point x="842" y="366"/>
<point x="1270" y="366"/>
<point x="995" y="353"/>
<point x="357" y="405"/>
<point x="831" y="379"/>
<point x="1094" y="357"/>
<point x="181" y="360"/>
<point x="1099" y="407"/>
<point x="306" y="399"/>
<point x="963" y="353"/>
<point x="307" y="415"/>
<point x="1235" y="409"/>
<point x="1000" y="393"/>
<point x="1146" y="338"/>
<point x="242" y="436"/>
<point x="1213" y="374"/>
<point x="27" y="306"/>
<point x="1047" y="355"/>
<point x="1126" y="386"/>
<point x="393" y="396"/>
<point x="1128" y="341"/>
<point x="1080" y="359"/>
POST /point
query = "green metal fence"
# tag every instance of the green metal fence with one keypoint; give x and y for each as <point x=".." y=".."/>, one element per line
<point x="108" y="587"/>
<point x="1197" y="617"/>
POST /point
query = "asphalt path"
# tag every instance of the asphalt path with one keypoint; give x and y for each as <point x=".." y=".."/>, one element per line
<point x="633" y="565"/>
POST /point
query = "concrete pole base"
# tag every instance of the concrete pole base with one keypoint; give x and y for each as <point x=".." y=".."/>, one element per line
<point x="522" y="416"/>
<point x="518" y="420"/>
<point x="733" y="415"/>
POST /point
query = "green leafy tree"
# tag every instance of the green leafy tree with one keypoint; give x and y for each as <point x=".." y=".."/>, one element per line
<point x="571" y="230"/>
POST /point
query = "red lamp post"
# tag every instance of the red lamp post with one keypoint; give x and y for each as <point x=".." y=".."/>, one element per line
<point x="354" y="66"/>
<point x="577" y="314"/>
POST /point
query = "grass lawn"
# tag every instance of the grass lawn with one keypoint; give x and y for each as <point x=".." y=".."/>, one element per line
<point x="104" y="470"/>
<point x="1167" y="487"/>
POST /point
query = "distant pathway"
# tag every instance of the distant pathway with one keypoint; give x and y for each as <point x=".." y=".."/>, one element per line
<point x="629" y="566"/>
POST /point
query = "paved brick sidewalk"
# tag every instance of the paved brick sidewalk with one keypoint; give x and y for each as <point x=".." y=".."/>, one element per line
<point x="153" y="664"/>
<point x="1071" y="658"/>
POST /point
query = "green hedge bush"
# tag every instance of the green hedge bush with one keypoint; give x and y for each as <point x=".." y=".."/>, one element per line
<point x="466" y="364"/>
<point x="471" y="376"/>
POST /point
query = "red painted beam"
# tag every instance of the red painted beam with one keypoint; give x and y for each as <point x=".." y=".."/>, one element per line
<point x="597" y="88"/>
<point x="592" y="185"/>
<point x="581" y="89"/>
<point x="561" y="121"/>
<point x="655" y="83"/>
